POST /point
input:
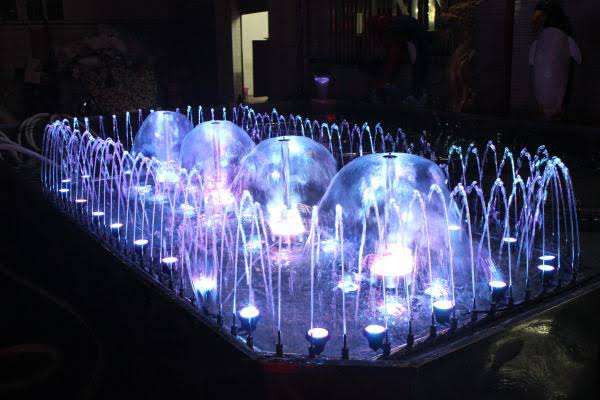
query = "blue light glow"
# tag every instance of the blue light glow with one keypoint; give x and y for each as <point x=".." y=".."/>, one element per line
<point x="318" y="224"/>
<point x="204" y="285"/>
<point x="545" y="268"/>
<point x="497" y="284"/>
<point x="322" y="80"/>
<point x="249" y="312"/>
<point x="375" y="329"/>
<point x="318" y="333"/>
<point x="443" y="304"/>
<point x="169" y="260"/>
<point x="454" y="228"/>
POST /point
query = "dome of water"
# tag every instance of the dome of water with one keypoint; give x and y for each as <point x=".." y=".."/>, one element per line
<point x="161" y="134"/>
<point x="385" y="207"/>
<point x="215" y="149"/>
<point x="287" y="175"/>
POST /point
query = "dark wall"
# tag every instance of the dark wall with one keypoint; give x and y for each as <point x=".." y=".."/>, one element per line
<point x="492" y="63"/>
<point x="113" y="56"/>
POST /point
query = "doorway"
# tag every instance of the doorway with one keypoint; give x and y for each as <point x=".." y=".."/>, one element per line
<point x="255" y="34"/>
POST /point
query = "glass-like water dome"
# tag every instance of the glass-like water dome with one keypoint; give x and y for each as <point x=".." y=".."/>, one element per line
<point x="214" y="149"/>
<point x="395" y="214"/>
<point x="287" y="175"/>
<point x="161" y="134"/>
<point x="364" y="186"/>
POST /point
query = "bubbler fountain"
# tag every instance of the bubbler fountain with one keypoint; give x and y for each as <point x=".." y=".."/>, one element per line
<point x="302" y="238"/>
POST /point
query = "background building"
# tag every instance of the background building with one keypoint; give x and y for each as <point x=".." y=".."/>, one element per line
<point x="190" y="51"/>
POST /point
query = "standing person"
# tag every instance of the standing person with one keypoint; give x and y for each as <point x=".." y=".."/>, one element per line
<point x="550" y="57"/>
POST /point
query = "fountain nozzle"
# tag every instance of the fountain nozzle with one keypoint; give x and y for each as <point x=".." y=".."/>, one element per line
<point x="376" y="336"/>
<point x="548" y="273"/>
<point x="248" y="317"/>
<point x="498" y="290"/>
<point x="318" y="338"/>
<point x="442" y="311"/>
<point x="279" y="345"/>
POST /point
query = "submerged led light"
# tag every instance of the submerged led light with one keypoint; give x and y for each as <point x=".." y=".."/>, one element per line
<point x="80" y="201"/>
<point x="318" y="338"/>
<point x="548" y="272"/>
<point x="85" y="176"/>
<point x="140" y="242"/>
<point x="498" y="290"/>
<point x="547" y="257"/>
<point x="396" y="262"/>
<point x="248" y="317"/>
<point x="63" y="190"/>
<point x="169" y="260"/>
<point x="66" y="180"/>
<point x="375" y="335"/>
<point x="546" y="268"/>
<point x="285" y="222"/>
<point x="509" y="239"/>
<point x="442" y="310"/>
<point x="454" y="228"/>
<point x="116" y="225"/>
<point x="97" y="213"/>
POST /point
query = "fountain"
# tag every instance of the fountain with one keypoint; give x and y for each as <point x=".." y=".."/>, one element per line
<point x="286" y="176"/>
<point x="161" y="134"/>
<point x="293" y="247"/>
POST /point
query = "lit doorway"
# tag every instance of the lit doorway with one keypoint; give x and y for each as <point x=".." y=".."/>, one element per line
<point x="255" y="35"/>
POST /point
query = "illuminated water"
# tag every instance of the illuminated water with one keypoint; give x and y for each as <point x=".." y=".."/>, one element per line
<point x="300" y="228"/>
